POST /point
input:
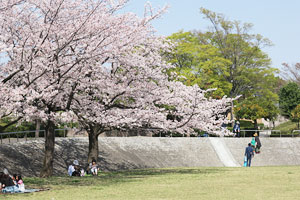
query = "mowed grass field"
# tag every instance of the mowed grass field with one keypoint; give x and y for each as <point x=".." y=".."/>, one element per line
<point x="171" y="184"/>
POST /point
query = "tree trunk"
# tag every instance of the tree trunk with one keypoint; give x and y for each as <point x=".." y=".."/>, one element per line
<point x="47" y="169"/>
<point x="231" y="114"/>
<point x="37" y="129"/>
<point x="93" y="144"/>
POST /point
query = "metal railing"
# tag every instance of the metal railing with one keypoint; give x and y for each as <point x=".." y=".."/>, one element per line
<point x="268" y="133"/>
<point x="295" y="131"/>
<point x="24" y="135"/>
<point x="262" y="132"/>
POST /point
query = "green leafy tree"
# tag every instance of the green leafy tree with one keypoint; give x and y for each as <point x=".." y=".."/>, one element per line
<point x="249" y="68"/>
<point x="289" y="98"/>
<point x="227" y="57"/>
<point x="247" y="62"/>
<point x="263" y="103"/>
<point x="6" y="122"/>
<point x="250" y="108"/>
<point x="295" y="114"/>
<point x="199" y="63"/>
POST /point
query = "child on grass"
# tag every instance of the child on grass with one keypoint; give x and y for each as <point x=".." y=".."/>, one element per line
<point x="20" y="183"/>
<point x="94" y="167"/>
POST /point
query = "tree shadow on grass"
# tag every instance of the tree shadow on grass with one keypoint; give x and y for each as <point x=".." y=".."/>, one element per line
<point x="110" y="178"/>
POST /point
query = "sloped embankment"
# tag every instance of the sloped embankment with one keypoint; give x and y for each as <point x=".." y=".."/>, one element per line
<point x="124" y="153"/>
<point x="274" y="151"/>
<point x="115" y="153"/>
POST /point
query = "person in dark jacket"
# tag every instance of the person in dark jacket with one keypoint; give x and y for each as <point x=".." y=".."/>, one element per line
<point x="249" y="154"/>
<point x="258" y="144"/>
<point x="6" y="181"/>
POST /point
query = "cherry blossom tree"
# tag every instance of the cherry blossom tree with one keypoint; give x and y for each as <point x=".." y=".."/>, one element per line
<point x="83" y="60"/>
<point x="132" y="95"/>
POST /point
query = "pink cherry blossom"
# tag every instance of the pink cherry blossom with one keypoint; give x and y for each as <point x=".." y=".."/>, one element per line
<point x="85" y="61"/>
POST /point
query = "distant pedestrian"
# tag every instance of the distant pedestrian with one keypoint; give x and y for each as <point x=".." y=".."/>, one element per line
<point x="258" y="143"/>
<point x="253" y="143"/>
<point x="237" y="129"/>
<point x="249" y="154"/>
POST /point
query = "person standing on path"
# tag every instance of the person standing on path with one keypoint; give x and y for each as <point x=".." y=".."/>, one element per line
<point x="249" y="154"/>
<point x="253" y="143"/>
<point x="258" y="144"/>
<point x="237" y="129"/>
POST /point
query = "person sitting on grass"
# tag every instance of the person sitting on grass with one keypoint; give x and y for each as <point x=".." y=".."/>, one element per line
<point x="74" y="169"/>
<point x="7" y="182"/>
<point x="20" y="183"/>
<point x="17" y="187"/>
<point x="94" y="167"/>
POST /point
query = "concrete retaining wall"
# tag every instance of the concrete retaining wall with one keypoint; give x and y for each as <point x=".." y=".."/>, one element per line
<point x="145" y="152"/>
<point x="274" y="151"/>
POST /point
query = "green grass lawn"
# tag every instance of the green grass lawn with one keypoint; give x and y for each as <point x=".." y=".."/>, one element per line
<point x="175" y="183"/>
<point x="287" y="126"/>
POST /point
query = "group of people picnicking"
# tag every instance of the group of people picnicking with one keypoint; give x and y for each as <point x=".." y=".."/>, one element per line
<point x="253" y="147"/>
<point x="14" y="183"/>
<point x="76" y="170"/>
<point x="11" y="183"/>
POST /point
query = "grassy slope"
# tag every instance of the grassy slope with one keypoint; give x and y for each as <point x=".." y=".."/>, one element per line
<point x="287" y="126"/>
<point x="178" y="183"/>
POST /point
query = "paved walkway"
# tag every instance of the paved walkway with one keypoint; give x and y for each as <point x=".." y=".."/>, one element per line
<point x="223" y="152"/>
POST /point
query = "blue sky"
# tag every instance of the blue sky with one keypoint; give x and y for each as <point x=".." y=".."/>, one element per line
<point x="276" y="20"/>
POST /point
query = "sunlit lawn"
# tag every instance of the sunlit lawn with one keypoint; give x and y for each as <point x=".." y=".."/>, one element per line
<point x="287" y="126"/>
<point x="175" y="183"/>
